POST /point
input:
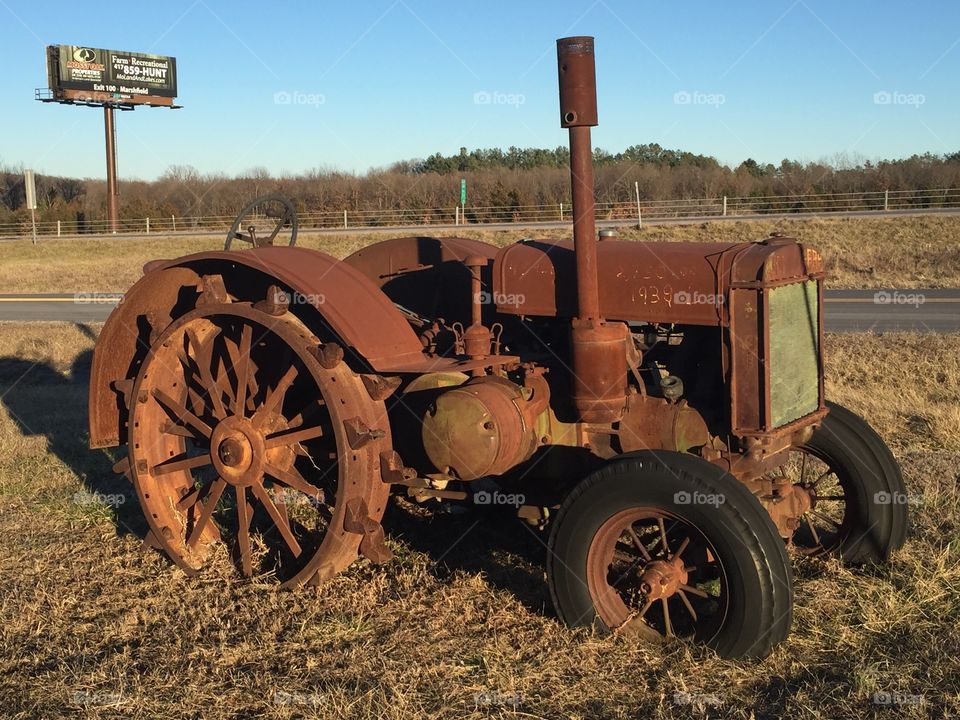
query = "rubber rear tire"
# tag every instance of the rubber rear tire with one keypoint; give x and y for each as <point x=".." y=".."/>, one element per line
<point x="756" y="568"/>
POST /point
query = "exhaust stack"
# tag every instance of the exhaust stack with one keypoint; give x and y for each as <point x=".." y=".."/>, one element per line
<point x="598" y="348"/>
<point x="578" y="113"/>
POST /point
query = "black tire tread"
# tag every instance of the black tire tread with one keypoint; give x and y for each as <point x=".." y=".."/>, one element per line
<point x="743" y="515"/>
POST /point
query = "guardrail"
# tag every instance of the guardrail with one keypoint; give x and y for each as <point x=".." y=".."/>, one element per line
<point x="892" y="200"/>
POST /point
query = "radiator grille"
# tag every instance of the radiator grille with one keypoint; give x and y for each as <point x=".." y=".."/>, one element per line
<point x="794" y="352"/>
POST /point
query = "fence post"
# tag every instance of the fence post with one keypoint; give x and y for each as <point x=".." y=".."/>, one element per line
<point x="173" y="220"/>
<point x="724" y="205"/>
<point x="561" y="211"/>
<point x="456" y="214"/>
<point x="636" y="188"/>
<point x="58" y="228"/>
<point x="344" y="218"/>
<point x="148" y="226"/>
<point x="886" y="200"/>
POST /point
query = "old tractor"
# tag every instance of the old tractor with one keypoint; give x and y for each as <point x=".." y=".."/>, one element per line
<point x="656" y="409"/>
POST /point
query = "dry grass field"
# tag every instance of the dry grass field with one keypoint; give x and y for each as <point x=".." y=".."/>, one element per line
<point x="919" y="251"/>
<point x="459" y="624"/>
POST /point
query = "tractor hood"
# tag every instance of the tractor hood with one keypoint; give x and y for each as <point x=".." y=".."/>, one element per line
<point x="643" y="281"/>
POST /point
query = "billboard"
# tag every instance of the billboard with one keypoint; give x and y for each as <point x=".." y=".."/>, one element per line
<point x="85" y="74"/>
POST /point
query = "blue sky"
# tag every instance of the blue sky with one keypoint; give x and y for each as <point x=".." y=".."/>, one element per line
<point x="375" y="81"/>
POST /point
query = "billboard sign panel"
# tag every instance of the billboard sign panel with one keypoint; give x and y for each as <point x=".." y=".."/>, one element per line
<point x="83" y="73"/>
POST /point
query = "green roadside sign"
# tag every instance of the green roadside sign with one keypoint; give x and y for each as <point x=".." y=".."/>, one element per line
<point x="463" y="191"/>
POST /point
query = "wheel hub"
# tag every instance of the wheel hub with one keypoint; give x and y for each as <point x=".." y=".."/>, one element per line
<point x="662" y="578"/>
<point x="237" y="450"/>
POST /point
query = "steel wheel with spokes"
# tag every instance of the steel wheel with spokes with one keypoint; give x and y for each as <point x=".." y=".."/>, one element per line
<point x="239" y="434"/>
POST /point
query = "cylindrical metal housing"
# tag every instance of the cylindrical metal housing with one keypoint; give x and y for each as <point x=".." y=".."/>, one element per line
<point x="578" y="82"/>
<point x="478" y="429"/>
<point x="599" y="352"/>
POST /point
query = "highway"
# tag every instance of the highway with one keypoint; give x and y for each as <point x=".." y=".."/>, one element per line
<point x="539" y="225"/>
<point x="879" y="310"/>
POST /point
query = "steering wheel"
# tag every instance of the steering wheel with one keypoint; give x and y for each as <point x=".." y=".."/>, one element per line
<point x="260" y="222"/>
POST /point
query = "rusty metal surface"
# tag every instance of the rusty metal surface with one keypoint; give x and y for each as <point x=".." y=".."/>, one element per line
<point x="213" y="394"/>
<point x="427" y="274"/>
<point x="578" y="82"/>
<point x="599" y="361"/>
<point x="642" y="281"/>
<point x="578" y="111"/>
<point x="477" y="429"/>
<point x="598" y="349"/>
<point x="124" y="338"/>
<point x="652" y="423"/>
<point x="361" y="315"/>
<point x="652" y="594"/>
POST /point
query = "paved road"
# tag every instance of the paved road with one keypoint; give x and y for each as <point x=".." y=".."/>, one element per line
<point x="555" y="225"/>
<point x="886" y="310"/>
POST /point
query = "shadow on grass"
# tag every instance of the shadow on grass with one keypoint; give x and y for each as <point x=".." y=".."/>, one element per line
<point x="510" y="554"/>
<point x="43" y="401"/>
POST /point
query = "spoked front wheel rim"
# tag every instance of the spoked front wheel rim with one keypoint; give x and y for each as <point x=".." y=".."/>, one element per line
<point x="654" y="574"/>
<point x="827" y="521"/>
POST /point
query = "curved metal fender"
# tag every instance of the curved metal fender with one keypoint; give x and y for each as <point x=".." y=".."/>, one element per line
<point x="356" y="310"/>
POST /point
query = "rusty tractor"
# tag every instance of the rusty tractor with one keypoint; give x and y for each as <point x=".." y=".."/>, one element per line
<point x="657" y="409"/>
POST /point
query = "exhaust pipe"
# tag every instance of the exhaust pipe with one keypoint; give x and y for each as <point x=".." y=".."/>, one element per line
<point x="598" y="348"/>
<point x="578" y="113"/>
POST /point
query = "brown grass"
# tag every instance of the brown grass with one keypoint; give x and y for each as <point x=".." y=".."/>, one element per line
<point x="893" y="252"/>
<point x="90" y="627"/>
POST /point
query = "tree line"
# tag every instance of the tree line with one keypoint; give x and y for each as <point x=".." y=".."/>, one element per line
<point x="511" y="178"/>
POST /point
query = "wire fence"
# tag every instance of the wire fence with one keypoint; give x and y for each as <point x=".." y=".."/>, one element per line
<point x="880" y="201"/>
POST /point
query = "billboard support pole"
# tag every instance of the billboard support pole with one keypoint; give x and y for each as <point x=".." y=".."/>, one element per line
<point x="111" y="137"/>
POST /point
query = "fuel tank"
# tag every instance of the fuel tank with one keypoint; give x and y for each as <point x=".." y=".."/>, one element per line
<point x="647" y="281"/>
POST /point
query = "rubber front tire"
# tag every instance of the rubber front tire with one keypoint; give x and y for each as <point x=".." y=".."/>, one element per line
<point x="875" y="520"/>
<point x="758" y="579"/>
